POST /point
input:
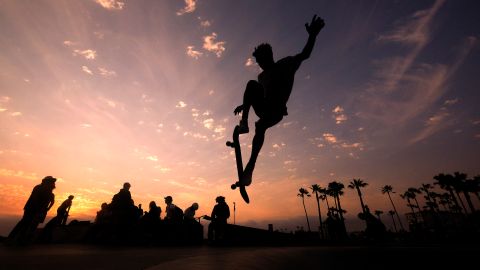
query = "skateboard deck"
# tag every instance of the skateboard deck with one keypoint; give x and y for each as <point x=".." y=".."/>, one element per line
<point x="238" y="156"/>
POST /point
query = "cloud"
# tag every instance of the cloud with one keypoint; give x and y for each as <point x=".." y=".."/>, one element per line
<point x="208" y="123"/>
<point x="205" y="23"/>
<point x="450" y="102"/>
<point x="181" y="104"/>
<point x="433" y="124"/>
<point x="250" y="62"/>
<point x="107" y="73"/>
<point x="85" y="125"/>
<point x="152" y="158"/>
<point x="18" y="174"/>
<point x="87" y="70"/>
<point x="330" y="138"/>
<point x="210" y="44"/>
<point x="111" y="4"/>
<point x="68" y="43"/>
<point x="278" y="146"/>
<point x="16" y="114"/>
<point x="211" y="92"/>
<point x="88" y="54"/>
<point x="3" y="109"/>
<point x="193" y="53"/>
<point x="338" y="115"/>
<point x="190" y="6"/>
<point x="402" y="87"/>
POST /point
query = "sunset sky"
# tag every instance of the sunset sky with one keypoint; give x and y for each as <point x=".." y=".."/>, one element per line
<point x="100" y="92"/>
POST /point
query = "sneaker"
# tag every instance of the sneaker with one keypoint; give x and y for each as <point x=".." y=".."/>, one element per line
<point x="243" y="127"/>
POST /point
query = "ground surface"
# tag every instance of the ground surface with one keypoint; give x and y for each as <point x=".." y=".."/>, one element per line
<point x="205" y="257"/>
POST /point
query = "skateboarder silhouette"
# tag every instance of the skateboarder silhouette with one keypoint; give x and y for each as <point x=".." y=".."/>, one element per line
<point x="269" y="95"/>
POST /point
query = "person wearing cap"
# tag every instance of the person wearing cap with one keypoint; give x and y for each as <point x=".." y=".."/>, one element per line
<point x="173" y="213"/>
<point x="220" y="214"/>
<point x="34" y="212"/>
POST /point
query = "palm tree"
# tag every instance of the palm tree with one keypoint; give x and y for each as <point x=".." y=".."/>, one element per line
<point x="302" y="193"/>
<point x="476" y="184"/>
<point x="357" y="184"/>
<point x="408" y="195"/>
<point x="324" y="197"/>
<point x="458" y="186"/>
<point x="389" y="189"/>
<point x="413" y="195"/>
<point x="316" y="189"/>
<point x="446" y="201"/>
<point x="336" y="189"/>
<point x="445" y="181"/>
<point x="378" y="213"/>
<point x="428" y="196"/>
<point x="392" y="213"/>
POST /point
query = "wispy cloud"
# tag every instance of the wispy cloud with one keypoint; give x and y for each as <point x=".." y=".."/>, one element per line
<point x="338" y="115"/>
<point x="403" y="88"/>
<point x="88" y="54"/>
<point x="106" y="73"/>
<point x="210" y="44"/>
<point x="111" y="4"/>
<point x="181" y="104"/>
<point x="18" y="174"/>
<point x="434" y="124"/>
<point x="190" y="6"/>
<point x="250" y="62"/>
<point x="193" y="53"/>
<point x="205" y="23"/>
<point x="87" y="70"/>
<point x="330" y="138"/>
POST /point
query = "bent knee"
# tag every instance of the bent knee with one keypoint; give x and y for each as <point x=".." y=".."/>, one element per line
<point x="254" y="85"/>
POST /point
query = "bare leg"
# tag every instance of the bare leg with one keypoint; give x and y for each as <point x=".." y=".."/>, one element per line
<point x="257" y="144"/>
<point x="253" y="97"/>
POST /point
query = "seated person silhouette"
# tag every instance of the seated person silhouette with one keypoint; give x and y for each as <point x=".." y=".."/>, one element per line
<point x="269" y="95"/>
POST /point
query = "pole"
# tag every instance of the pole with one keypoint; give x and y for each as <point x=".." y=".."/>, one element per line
<point x="234" y="213"/>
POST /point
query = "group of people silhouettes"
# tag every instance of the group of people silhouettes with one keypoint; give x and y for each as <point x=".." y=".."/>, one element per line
<point x="119" y="219"/>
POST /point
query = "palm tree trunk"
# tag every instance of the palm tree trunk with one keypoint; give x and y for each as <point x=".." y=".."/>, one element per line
<point x="469" y="201"/>
<point x="361" y="200"/>
<point x="394" y="225"/>
<point x="319" y="214"/>
<point x="395" y="209"/>
<point x="306" y="215"/>
<point x="461" y="202"/>
<point x="328" y="205"/>
<point x="340" y="208"/>
<point x="452" y="194"/>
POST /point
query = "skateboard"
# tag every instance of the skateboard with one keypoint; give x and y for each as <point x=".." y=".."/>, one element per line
<point x="238" y="156"/>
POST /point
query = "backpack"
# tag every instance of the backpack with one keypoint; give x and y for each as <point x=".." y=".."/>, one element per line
<point x="177" y="213"/>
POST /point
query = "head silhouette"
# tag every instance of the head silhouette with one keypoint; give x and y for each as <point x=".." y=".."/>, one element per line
<point x="263" y="55"/>
<point x="71" y="197"/>
<point x="152" y="204"/>
<point x="220" y="199"/>
<point x="168" y="199"/>
<point x="126" y="186"/>
<point x="195" y="206"/>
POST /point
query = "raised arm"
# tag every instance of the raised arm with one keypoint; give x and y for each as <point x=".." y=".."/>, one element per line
<point x="313" y="29"/>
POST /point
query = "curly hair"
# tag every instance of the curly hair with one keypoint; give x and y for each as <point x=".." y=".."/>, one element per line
<point x="262" y="51"/>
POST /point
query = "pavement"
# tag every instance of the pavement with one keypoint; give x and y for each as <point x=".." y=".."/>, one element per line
<point x="71" y="257"/>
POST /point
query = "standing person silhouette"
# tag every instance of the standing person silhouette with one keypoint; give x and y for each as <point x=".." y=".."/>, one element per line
<point x="269" y="95"/>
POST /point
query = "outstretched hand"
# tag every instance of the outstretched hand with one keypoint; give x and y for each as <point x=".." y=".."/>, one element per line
<point x="315" y="26"/>
<point x="238" y="110"/>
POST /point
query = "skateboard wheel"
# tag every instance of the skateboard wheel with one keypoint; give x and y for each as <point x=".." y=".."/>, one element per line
<point x="233" y="186"/>
<point x="230" y="144"/>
